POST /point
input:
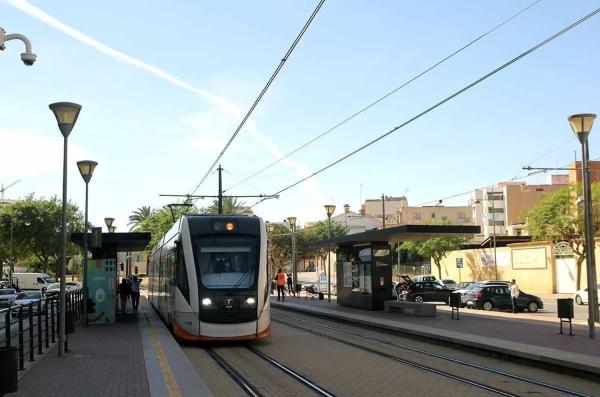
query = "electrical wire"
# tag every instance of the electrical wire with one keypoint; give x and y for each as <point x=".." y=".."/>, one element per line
<point x="440" y="103"/>
<point x="390" y="93"/>
<point x="262" y="93"/>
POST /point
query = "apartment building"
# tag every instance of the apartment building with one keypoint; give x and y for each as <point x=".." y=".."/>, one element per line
<point x="357" y="223"/>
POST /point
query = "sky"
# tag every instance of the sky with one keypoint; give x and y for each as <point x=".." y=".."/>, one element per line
<point x="163" y="86"/>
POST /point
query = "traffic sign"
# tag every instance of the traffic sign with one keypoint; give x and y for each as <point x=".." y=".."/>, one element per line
<point x="459" y="263"/>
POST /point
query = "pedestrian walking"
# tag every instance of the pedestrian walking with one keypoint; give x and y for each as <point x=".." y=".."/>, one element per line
<point x="514" y="294"/>
<point x="135" y="293"/>
<point x="124" y="291"/>
<point x="290" y="284"/>
<point x="280" y="285"/>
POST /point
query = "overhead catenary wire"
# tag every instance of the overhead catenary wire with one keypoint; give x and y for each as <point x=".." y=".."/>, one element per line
<point x="262" y="93"/>
<point x="440" y="103"/>
<point x="387" y="95"/>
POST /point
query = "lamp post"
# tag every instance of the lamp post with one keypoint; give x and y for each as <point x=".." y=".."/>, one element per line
<point x="292" y="221"/>
<point x="86" y="169"/>
<point x="329" y="208"/>
<point x="109" y="222"/>
<point x="112" y="229"/>
<point x="66" y="114"/>
<point x="582" y="125"/>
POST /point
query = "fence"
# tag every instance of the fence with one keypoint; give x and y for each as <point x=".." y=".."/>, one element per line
<point x="34" y="327"/>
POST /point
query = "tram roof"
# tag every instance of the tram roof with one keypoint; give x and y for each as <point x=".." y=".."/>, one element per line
<point x="401" y="233"/>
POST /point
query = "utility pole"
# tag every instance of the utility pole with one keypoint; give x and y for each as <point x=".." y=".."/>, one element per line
<point x="220" y="199"/>
<point x="494" y="230"/>
<point x="383" y="208"/>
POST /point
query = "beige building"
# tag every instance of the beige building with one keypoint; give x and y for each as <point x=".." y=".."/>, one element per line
<point x="427" y="215"/>
<point x="356" y="223"/>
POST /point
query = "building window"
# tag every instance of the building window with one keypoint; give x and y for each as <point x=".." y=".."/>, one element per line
<point x="433" y="215"/>
<point x="444" y="218"/>
<point x="417" y="216"/>
<point x="495" y="223"/>
<point x="495" y="196"/>
<point x="461" y="216"/>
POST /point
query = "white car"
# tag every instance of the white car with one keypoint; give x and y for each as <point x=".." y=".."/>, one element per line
<point x="449" y="283"/>
<point x="7" y="297"/>
<point x="581" y="296"/>
<point x="25" y="298"/>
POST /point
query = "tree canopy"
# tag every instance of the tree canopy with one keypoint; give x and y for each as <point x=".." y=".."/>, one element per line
<point x="36" y="237"/>
<point x="435" y="248"/>
<point x="231" y="205"/>
<point x="557" y="216"/>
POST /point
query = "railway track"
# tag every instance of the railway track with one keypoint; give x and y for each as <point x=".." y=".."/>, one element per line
<point x="250" y="388"/>
<point x="423" y="352"/>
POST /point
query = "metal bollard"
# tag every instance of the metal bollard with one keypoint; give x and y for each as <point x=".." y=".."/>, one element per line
<point x="39" y="327"/>
<point x="46" y="326"/>
<point x="7" y="324"/>
<point x="21" y="349"/>
<point x="52" y="320"/>
<point x="31" y="358"/>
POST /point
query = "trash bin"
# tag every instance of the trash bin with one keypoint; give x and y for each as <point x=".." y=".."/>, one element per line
<point x="565" y="308"/>
<point x="298" y="287"/>
<point x="321" y="296"/>
<point x="70" y="322"/>
<point x="9" y="369"/>
<point x="455" y="300"/>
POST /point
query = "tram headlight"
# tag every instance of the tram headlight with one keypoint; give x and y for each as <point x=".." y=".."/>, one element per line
<point x="249" y="303"/>
<point x="206" y="302"/>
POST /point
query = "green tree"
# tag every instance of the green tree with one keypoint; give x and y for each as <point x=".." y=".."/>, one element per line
<point x="231" y="205"/>
<point x="138" y="216"/>
<point x="557" y="217"/>
<point x="435" y="248"/>
<point x="36" y="233"/>
<point x="159" y="221"/>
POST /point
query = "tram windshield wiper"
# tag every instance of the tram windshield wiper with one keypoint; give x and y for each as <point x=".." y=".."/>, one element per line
<point x="237" y="284"/>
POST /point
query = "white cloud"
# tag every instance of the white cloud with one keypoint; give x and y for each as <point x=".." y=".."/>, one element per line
<point x="227" y="107"/>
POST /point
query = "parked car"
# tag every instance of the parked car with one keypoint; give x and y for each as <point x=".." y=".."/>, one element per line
<point x="497" y="296"/>
<point x="581" y="296"/>
<point x="25" y="298"/>
<point x="465" y="284"/>
<point x="465" y="292"/>
<point x="448" y="283"/>
<point x="33" y="280"/>
<point x="426" y="291"/>
<point x="53" y="289"/>
<point x="7" y="296"/>
<point x="417" y="279"/>
<point x="73" y="285"/>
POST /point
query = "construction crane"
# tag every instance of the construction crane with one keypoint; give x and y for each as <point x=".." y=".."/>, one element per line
<point x="4" y="188"/>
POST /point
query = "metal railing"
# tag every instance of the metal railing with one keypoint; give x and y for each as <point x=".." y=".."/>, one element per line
<point x="34" y="327"/>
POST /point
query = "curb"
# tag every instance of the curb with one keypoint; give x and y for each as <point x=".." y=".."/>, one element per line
<point x="540" y="356"/>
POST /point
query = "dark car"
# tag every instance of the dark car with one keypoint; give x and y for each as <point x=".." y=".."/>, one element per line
<point x="427" y="291"/>
<point x="467" y="293"/>
<point x="489" y="297"/>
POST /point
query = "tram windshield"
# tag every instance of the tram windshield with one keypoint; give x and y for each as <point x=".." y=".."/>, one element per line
<point x="226" y="261"/>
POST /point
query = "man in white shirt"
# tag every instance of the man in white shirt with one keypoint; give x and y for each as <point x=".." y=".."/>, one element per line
<point x="514" y="294"/>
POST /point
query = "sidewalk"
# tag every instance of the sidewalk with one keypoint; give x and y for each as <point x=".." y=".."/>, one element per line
<point x="135" y="357"/>
<point x="537" y="341"/>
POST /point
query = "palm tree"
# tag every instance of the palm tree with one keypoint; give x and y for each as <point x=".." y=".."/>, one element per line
<point x="231" y="205"/>
<point x="138" y="216"/>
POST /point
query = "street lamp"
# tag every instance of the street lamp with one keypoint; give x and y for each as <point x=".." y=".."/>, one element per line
<point x="329" y="208"/>
<point x="109" y="222"/>
<point x="112" y="229"/>
<point x="292" y="221"/>
<point x="86" y="169"/>
<point x="582" y="125"/>
<point x="66" y="114"/>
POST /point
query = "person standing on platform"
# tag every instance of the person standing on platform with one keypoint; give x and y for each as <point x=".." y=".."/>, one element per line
<point x="514" y="294"/>
<point x="124" y="291"/>
<point x="135" y="293"/>
<point x="290" y="285"/>
<point x="280" y="285"/>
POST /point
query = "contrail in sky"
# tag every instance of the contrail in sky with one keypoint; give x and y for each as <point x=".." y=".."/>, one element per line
<point x="230" y="108"/>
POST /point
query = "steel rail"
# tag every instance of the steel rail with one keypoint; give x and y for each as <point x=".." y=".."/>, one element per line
<point x="248" y="387"/>
<point x="442" y="357"/>
<point x="410" y="363"/>
<point x="287" y="370"/>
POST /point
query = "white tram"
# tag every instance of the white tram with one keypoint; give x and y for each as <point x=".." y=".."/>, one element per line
<point x="208" y="278"/>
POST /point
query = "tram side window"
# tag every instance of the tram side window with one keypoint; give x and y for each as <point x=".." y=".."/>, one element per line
<point x="181" y="277"/>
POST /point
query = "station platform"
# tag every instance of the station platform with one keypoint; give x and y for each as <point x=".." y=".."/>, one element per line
<point x="532" y="341"/>
<point x="134" y="357"/>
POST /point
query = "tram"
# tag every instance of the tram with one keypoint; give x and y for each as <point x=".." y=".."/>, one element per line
<point x="208" y="278"/>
